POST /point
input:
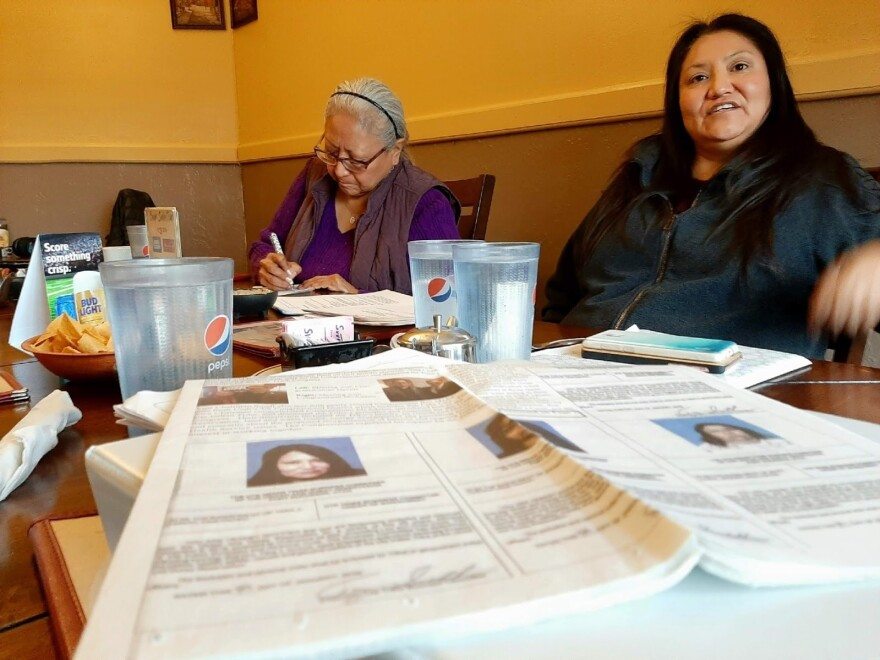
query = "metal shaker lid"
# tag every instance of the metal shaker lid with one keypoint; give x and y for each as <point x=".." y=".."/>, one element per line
<point x="435" y="338"/>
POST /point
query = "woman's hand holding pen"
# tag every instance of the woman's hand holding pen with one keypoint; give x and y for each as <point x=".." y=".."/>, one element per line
<point x="277" y="273"/>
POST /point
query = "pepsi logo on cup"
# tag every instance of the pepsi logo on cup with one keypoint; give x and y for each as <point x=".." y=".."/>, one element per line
<point x="439" y="289"/>
<point x="218" y="335"/>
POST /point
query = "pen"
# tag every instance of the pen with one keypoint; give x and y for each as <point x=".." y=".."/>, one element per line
<point x="277" y="245"/>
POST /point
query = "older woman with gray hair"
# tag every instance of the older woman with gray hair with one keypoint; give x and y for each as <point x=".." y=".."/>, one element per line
<point x="346" y="220"/>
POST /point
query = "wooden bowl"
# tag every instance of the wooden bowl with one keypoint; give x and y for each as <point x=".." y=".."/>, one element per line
<point x="74" y="366"/>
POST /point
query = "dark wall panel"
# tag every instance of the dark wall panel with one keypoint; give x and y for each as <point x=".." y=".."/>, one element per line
<point x="59" y="197"/>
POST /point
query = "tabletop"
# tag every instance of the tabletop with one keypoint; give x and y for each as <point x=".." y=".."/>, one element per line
<point x="59" y="484"/>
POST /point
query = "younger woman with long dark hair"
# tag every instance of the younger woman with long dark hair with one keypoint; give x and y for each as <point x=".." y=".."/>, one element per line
<point x="721" y="225"/>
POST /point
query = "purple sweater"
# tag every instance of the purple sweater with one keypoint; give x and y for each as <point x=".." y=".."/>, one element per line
<point x="330" y="250"/>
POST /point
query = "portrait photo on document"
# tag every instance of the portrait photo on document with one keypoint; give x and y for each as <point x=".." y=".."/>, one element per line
<point x="275" y="462"/>
<point x="418" y="389"/>
<point x="550" y="434"/>
<point x="503" y="436"/>
<point x="721" y="431"/>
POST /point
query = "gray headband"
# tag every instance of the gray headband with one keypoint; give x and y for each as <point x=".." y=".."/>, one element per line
<point x="374" y="104"/>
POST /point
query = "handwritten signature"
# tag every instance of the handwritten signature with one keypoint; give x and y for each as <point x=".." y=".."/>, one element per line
<point x="708" y="410"/>
<point x="421" y="577"/>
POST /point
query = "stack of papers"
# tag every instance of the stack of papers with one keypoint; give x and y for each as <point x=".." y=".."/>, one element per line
<point x="11" y="390"/>
<point x="757" y="365"/>
<point x="381" y="308"/>
<point x="258" y="338"/>
<point x="457" y="498"/>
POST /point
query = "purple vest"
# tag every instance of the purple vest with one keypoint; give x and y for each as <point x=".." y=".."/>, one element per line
<point x="380" y="258"/>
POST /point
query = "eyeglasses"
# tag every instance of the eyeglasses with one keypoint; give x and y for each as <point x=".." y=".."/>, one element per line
<point x="351" y="164"/>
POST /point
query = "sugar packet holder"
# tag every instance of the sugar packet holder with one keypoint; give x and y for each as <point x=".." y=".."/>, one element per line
<point x="297" y="357"/>
<point x="320" y="341"/>
<point x="323" y="330"/>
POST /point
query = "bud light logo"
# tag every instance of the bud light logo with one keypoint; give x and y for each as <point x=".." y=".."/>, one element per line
<point x="218" y="335"/>
<point x="439" y="290"/>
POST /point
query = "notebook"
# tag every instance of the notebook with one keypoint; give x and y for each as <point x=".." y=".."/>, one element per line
<point x="72" y="556"/>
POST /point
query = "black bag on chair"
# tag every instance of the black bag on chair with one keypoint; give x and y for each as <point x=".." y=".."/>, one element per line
<point x="128" y="210"/>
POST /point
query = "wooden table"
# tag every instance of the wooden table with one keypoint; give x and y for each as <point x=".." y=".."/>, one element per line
<point x="59" y="483"/>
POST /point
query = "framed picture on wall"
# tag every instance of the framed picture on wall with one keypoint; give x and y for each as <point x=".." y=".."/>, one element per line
<point x="197" y="15"/>
<point x="243" y="12"/>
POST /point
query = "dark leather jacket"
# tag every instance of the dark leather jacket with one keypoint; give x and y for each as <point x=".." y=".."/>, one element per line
<point x="673" y="274"/>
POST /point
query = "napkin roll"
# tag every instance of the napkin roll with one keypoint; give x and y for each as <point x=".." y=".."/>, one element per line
<point x="29" y="440"/>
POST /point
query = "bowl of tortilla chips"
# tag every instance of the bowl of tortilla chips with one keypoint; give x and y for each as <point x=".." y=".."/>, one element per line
<point x="75" y="351"/>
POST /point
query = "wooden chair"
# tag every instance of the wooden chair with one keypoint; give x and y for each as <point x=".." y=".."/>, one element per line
<point x="852" y="349"/>
<point x="475" y="196"/>
<point x="849" y="349"/>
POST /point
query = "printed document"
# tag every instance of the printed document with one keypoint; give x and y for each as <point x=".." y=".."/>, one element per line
<point x="380" y="308"/>
<point x="775" y="495"/>
<point x="339" y="512"/>
<point x="360" y="508"/>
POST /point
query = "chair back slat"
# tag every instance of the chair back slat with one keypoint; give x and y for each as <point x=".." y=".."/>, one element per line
<point x="475" y="196"/>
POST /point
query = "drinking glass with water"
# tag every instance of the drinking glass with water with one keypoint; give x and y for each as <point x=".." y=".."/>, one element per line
<point x="433" y="280"/>
<point x="171" y="320"/>
<point x="496" y="296"/>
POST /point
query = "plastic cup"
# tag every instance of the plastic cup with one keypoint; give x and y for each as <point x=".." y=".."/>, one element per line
<point x="116" y="252"/>
<point x="496" y="296"/>
<point x="137" y="239"/>
<point x="433" y="280"/>
<point x="171" y="320"/>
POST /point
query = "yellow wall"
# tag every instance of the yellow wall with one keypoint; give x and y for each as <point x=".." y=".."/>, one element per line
<point x="109" y="80"/>
<point x="466" y="67"/>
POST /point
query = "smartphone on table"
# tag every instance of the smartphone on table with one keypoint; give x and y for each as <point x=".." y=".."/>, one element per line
<point x="647" y="347"/>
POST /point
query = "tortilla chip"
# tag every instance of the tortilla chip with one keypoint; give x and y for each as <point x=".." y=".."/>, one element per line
<point x="88" y="344"/>
<point x="102" y="330"/>
<point x="67" y="335"/>
<point x="45" y="340"/>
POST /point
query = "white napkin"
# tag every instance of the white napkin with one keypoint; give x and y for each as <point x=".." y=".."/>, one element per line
<point x="146" y="409"/>
<point x="29" y="440"/>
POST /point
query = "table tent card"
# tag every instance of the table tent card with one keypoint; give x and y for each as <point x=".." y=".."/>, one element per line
<point x="163" y="232"/>
<point x="47" y="290"/>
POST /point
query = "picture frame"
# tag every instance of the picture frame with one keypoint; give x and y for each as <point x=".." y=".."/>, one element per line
<point x="198" y="15"/>
<point x="243" y="12"/>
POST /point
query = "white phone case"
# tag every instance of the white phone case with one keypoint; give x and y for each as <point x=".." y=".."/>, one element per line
<point x="660" y="345"/>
